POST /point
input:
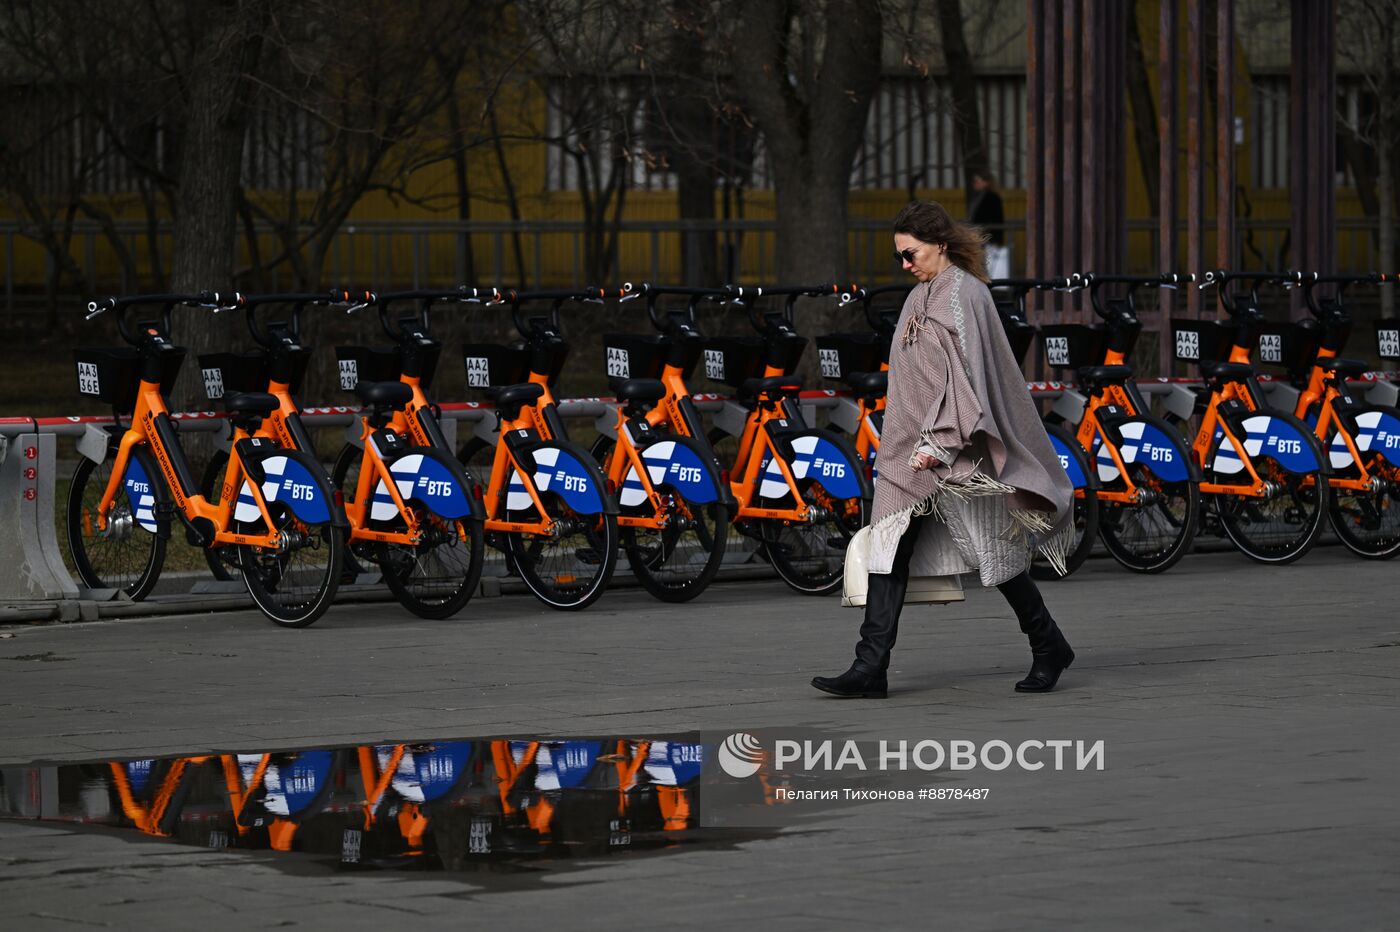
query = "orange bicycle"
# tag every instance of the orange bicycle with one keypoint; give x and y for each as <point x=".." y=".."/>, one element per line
<point x="276" y="507"/>
<point x="802" y="492"/>
<point x="411" y="509"/>
<point x="1362" y="440"/>
<point x="548" y="507"/>
<point x="675" y="506"/>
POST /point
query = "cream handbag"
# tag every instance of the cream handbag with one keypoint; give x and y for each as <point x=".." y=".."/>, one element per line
<point x="935" y="589"/>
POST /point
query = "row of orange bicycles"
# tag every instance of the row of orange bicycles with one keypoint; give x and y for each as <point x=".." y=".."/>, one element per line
<point x="678" y="495"/>
<point x="399" y="499"/>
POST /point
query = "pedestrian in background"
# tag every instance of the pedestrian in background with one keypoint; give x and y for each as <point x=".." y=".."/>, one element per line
<point x="968" y="480"/>
<point x="984" y="209"/>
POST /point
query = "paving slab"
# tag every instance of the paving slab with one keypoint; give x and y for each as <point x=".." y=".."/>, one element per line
<point x="1248" y="715"/>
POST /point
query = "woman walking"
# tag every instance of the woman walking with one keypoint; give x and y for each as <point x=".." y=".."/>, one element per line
<point x="968" y="479"/>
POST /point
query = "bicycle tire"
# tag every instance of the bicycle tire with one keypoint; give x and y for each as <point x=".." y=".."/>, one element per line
<point x="265" y="575"/>
<point x="663" y="563"/>
<point x="1086" y="530"/>
<point x="408" y="570"/>
<point x="126" y="556"/>
<point x="1150" y="536"/>
<point x="1367" y="522"/>
<point x="211" y="486"/>
<point x="549" y="567"/>
<point x="808" y="560"/>
<point x="1261" y="529"/>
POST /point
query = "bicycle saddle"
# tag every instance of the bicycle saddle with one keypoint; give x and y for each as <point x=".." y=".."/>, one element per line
<point x="1229" y="371"/>
<point x="514" y="396"/>
<point x="1105" y="373"/>
<point x="640" y="390"/>
<point x="384" y="394"/>
<point x="869" y="384"/>
<point x="776" y="386"/>
<point x="1344" y="367"/>
<point x="250" y="403"/>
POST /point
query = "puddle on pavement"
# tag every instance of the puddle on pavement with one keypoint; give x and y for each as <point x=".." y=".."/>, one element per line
<point x="496" y="806"/>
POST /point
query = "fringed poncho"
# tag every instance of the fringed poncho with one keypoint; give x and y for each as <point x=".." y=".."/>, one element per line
<point x="957" y="393"/>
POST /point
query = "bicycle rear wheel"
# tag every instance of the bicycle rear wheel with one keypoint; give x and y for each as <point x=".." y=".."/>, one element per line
<point x="435" y="578"/>
<point x="129" y="553"/>
<point x="1151" y="534"/>
<point x="570" y="569"/>
<point x="1086" y="529"/>
<point x="295" y="582"/>
<point x="1280" y="526"/>
<point x="675" y="563"/>
<point x="1367" y="521"/>
<point x="811" y="557"/>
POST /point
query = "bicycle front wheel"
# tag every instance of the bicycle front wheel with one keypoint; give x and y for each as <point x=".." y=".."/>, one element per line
<point x="128" y="554"/>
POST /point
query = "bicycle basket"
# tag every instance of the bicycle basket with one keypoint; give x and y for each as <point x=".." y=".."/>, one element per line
<point x="732" y="360"/>
<point x="492" y="365"/>
<point x="635" y="356"/>
<point x="367" y="364"/>
<point x="1071" y="346"/>
<point x="1202" y="340"/>
<point x="226" y="373"/>
<point x="841" y="354"/>
<point x="1291" y="346"/>
<point x="112" y="374"/>
<point x="1388" y="338"/>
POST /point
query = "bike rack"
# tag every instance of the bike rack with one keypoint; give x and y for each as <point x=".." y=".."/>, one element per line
<point x="41" y="588"/>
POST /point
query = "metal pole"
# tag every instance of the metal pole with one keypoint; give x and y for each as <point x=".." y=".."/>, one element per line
<point x="1167" y="170"/>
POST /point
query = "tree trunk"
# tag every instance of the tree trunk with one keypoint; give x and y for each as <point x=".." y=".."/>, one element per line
<point x="1144" y="111"/>
<point x="209" y="163"/>
<point x="812" y="140"/>
<point x="962" y="80"/>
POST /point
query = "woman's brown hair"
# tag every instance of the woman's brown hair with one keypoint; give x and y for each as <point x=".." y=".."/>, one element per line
<point x="928" y="222"/>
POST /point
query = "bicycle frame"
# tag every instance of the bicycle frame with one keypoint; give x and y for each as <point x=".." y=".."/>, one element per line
<point x="1326" y="389"/>
<point x="145" y="429"/>
<point x="1091" y="432"/>
<point x="1244" y="392"/>
<point x="756" y="445"/>
<point x="539" y="417"/>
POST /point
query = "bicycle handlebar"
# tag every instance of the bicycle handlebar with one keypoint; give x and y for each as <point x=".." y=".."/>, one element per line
<point x="652" y="292"/>
<point x="427" y="298"/>
<point x="1134" y="282"/>
<point x="205" y="299"/>
<point x="1222" y="277"/>
<point x="1310" y="280"/>
<point x="747" y="296"/>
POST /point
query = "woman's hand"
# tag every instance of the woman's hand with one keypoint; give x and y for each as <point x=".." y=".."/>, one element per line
<point x="922" y="461"/>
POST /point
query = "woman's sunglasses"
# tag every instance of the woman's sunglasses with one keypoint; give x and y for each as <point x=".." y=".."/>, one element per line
<point x="906" y="255"/>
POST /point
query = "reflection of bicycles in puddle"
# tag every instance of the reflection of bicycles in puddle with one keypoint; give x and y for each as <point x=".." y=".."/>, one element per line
<point x="456" y="806"/>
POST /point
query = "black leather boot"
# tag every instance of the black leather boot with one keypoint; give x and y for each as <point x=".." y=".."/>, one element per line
<point x="884" y="599"/>
<point x="855" y="683"/>
<point x="1051" y="654"/>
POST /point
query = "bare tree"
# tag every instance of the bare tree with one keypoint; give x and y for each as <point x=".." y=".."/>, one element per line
<point x="806" y="72"/>
<point x="1369" y="40"/>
